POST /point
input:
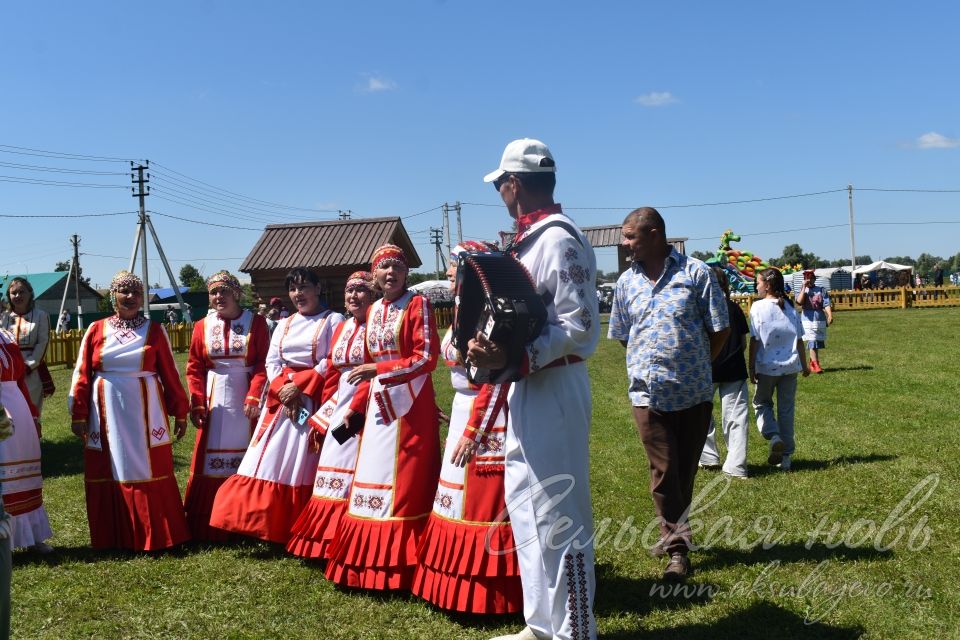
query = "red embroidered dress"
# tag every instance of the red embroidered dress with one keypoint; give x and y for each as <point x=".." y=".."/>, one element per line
<point x="124" y="385"/>
<point x="274" y="480"/>
<point x="225" y="372"/>
<point x="22" y="485"/>
<point x="313" y="531"/>
<point x="467" y="557"/>
<point x="398" y="464"/>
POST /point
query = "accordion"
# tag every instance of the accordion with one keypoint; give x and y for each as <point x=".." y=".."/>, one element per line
<point x="495" y="296"/>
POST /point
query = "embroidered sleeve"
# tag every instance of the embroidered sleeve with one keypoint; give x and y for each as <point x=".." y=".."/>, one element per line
<point x="566" y="274"/>
<point x="173" y="395"/>
<point x="197" y="367"/>
<point x="420" y="333"/>
<point x="491" y="400"/>
<point x="78" y="400"/>
<point x="256" y="357"/>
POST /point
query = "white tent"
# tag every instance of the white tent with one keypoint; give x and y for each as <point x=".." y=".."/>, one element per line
<point x="829" y="278"/>
<point x="434" y="290"/>
<point x="880" y="264"/>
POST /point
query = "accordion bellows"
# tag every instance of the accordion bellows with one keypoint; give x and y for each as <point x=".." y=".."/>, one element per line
<point x="495" y="295"/>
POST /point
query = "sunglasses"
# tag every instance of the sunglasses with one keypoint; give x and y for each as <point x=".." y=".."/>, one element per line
<point x="499" y="182"/>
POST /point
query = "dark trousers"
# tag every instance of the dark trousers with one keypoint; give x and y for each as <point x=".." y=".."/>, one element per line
<point x="673" y="441"/>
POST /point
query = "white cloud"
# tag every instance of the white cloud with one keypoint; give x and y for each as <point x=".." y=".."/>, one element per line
<point x="656" y="99"/>
<point x="375" y="84"/>
<point x="934" y="140"/>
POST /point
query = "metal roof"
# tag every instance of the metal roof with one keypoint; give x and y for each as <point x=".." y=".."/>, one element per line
<point x="605" y="236"/>
<point x="334" y="243"/>
<point x="43" y="283"/>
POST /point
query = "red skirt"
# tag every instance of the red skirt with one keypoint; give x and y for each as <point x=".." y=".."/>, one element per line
<point x="375" y="554"/>
<point x="458" y="573"/>
<point x="312" y="534"/>
<point x="198" y="505"/>
<point x="258" y="508"/>
<point x="142" y="516"/>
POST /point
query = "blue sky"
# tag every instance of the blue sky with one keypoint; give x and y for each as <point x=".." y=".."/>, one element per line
<point x="393" y="108"/>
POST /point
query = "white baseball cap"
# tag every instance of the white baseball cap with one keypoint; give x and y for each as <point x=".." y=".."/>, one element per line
<point x="524" y="156"/>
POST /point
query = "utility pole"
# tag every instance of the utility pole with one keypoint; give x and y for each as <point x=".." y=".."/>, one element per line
<point x="853" y="247"/>
<point x="446" y="226"/>
<point x="75" y="239"/>
<point x="344" y="214"/>
<point x="459" y="225"/>
<point x="436" y="237"/>
<point x="66" y="288"/>
<point x="140" y="243"/>
<point x="145" y="226"/>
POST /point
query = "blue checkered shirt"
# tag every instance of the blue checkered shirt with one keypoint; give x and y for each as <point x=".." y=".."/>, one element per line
<point x="665" y="325"/>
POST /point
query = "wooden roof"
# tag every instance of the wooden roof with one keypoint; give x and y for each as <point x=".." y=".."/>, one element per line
<point x="605" y="236"/>
<point x="334" y="243"/>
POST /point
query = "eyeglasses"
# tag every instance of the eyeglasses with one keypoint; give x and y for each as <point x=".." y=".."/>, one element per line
<point x="499" y="182"/>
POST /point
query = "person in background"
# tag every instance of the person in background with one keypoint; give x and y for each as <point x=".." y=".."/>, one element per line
<point x="22" y="486"/>
<point x="31" y="331"/>
<point x="730" y="380"/>
<point x="124" y="385"/>
<point x="63" y="322"/>
<point x="276" y="304"/>
<point x="670" y="314"/>
<point x="171" y="316"/>
<point x="275" y="479"/>
<point x="776" y="357"/>
<point x="816" y="316"/>
<point x="937" y="275"/>
<point x="375" y="546"/>
<point x="468" y="561"/>
<point x="338" y="399"/>
<point x="226" y="376"/>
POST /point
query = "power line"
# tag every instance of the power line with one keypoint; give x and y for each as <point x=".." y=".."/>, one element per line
<point x="239" y="195"/>
<point x="100" y="255"/>
<point x="64" y="215"/>
<point x="186" y="192"/>
<point x="58" y="183"/>
<point x="197" y="203"/>
<point x="27" y="151"/>
<point x="208" y="224"/>
<point x="36" y="167"/>
<point x="909" y="190"/>
<point x="414" y="215"/>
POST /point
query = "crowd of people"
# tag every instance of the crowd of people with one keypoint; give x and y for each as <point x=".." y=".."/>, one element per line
<point x="320" y="431"/>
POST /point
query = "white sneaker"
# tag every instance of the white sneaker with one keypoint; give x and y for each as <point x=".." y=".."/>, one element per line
<point x="785" y="463"/>
<point x="776" y="451"/>
<point x="526" y="634"/>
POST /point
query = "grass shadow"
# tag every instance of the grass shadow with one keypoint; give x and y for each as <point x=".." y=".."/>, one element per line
<point x="720" y="557"/>
<point x="61" y="457"/>
<point x="87" y="555"/>
<point x="859" y="367"/>
<point x="618" y="594"/>
<point x="801" y="464"/>
<point x="759" y="621"/>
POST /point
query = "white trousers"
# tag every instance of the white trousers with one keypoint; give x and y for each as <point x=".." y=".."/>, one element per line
<point x="547" y="483"/>
<point x="735" y="417"/>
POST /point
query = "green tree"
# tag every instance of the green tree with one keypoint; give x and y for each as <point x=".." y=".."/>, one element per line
<point x="64" y="265"/>
<point x="845" y="262"/>
<point x="901" y="260"/>
<point x="925" y="264"/>
<point x="702" y="255"/>
<point x="191" y="277"/>
<point x="794" y="254"/>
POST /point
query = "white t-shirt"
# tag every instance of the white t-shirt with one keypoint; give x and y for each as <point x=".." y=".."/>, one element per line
<point x="776" y="331"/>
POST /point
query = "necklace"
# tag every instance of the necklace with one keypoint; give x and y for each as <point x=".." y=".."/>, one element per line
<point x="120" y="323"/>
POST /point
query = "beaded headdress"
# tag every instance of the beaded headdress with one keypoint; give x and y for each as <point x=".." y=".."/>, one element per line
<point x="224" y="280"/>
<point x="387" y="254"/>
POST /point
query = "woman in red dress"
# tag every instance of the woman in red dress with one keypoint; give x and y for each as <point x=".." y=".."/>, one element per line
<point x="226" y="377"/>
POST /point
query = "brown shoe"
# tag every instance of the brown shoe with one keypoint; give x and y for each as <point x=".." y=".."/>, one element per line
<point x="678" y="568"/>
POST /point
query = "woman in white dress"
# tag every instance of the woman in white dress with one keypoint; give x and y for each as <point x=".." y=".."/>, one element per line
<point x="275" y="479"/>
<point x="31" y="331"/>
<point x="20" y="454"/>
<point x="313" y="531"/>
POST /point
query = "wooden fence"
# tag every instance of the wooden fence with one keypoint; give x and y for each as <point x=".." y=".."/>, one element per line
<point x="63" y="348"/>
<point x="900" y="298"/>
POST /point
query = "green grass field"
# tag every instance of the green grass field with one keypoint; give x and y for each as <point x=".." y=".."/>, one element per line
<point x="858" y="541"/>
